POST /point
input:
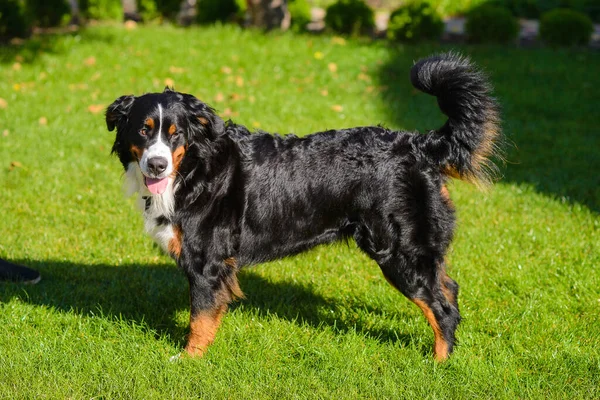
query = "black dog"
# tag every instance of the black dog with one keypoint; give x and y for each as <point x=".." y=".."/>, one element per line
<point x="218" y="198"/>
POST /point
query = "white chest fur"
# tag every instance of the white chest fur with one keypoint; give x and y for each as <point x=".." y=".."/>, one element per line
<point x="155" y="208"/>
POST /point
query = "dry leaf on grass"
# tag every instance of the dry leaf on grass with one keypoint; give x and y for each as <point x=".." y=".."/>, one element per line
<point x="96" y="108"/>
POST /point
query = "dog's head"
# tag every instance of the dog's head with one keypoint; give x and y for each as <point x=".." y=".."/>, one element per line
<point x="155" y="130"/>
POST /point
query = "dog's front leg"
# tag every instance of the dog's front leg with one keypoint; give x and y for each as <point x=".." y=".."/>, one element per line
<point x="213" y="285"/>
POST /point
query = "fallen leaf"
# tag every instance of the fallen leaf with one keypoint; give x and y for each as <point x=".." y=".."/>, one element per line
<point x="16" y="66"/>
<point x="90" y="61"/>
<point x="130" y="25"/>
<point x="15" y="164"/>
<point x="337" y="108"/>
<point x="176" y="70"/>
<point x="43" y="121"/>
<point x="5" y="133"/>
<point x="324" y="92"/>
<point x="332" y="67"/>
<point x="169" y="82"/>
<point x="96" y="108"/>
<point x="364" y="77"/>
<point x="96" y="76"/>
<point x="251" y="99"/>
<point x="219" y="97"/>
<point x="226" y="70"/>
<point x="338" y="40"/>
<point x="229" y="113"/>
<point x="256" y="124"/>
<point x="3" y="103"/>
<point x="235" y="96"/>
<point x="239" y="81"/>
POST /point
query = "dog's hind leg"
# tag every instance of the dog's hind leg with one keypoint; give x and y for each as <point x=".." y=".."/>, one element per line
<point x="426" y="284"/>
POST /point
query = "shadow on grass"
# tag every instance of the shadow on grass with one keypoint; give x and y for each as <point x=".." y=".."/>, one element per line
<point x="153" y="295"/>
<point x="548" y="99"/>
<point x="33" y="48"/>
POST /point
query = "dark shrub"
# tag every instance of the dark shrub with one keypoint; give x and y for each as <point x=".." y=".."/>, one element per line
<point x="47" y="13"/>
<point x="300" y="12"/>
<point x="12" y="20"/>
<point x="170" y="8"/>
<point x="101" y="9"/>
<point x="533" y="9"/>
<point x="521" y="8"/>
<point x="210" y="11"/>
<point x="415" y="22"/>
<point x="562" y="27"/>
<point x="351" y="17"/>
<point x="488" y="23"/>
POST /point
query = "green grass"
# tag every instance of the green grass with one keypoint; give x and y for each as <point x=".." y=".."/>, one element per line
<point x="111" y="309"/>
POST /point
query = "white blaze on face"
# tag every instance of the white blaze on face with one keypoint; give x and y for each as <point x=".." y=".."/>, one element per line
<point x="157" y="149"/>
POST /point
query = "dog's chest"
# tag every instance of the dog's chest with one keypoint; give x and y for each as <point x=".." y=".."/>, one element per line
<point x="157" y="223"/>
<point x="156" y="209"/>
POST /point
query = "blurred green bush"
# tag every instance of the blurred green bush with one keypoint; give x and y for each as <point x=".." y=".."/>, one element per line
<point x="13" y="22"/>
<point x="350" y="17"/>
<point x="300" y="12"/>
<point x="415" y="22"/>
<point x="210" y="11"/>
<point x="564" y="27"/>
<point x="47" y="13"/>
<point x="489" y="23"/>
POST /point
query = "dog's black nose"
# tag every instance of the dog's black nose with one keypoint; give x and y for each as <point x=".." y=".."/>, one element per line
<point x="157" y="165"/>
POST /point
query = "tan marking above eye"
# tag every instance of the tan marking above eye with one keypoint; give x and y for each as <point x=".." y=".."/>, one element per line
<point x="149" y="122"/>
<point x="172" y="129"/>
<point x="203" y="120"/>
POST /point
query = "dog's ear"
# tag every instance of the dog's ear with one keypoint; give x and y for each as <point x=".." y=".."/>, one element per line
<point x="118" y="111"/>
<point x="204" y="117"/>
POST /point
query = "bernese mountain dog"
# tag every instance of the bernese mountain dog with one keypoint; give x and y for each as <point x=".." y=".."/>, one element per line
<point x="217" y="197"/>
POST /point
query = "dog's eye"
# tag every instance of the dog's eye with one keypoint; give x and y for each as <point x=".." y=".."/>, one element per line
<point x="144" y="131"/>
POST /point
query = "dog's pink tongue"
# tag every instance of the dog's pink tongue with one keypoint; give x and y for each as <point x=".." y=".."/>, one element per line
<point x="157" y="186"/>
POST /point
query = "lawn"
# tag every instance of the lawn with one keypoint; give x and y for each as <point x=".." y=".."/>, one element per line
<point x="111" y="310"/>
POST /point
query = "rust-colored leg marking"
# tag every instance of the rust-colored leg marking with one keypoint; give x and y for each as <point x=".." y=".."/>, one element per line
<point x="448" y="294"/>
<point x="203" y="329"/>
<point x="440" y="346"/>
<point x="204" y="325"/>
<point x="232" y="287"/>
<point x="174" y="247"/>
<point x="445" y="193"/>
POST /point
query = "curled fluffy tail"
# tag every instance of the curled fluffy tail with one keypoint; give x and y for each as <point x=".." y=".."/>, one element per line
<point x="464" y="146"/>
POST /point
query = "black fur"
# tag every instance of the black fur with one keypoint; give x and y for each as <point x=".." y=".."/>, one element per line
<point x="255" y="197"/>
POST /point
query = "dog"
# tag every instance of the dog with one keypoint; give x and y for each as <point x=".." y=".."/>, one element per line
<point x="217" y="197"/>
